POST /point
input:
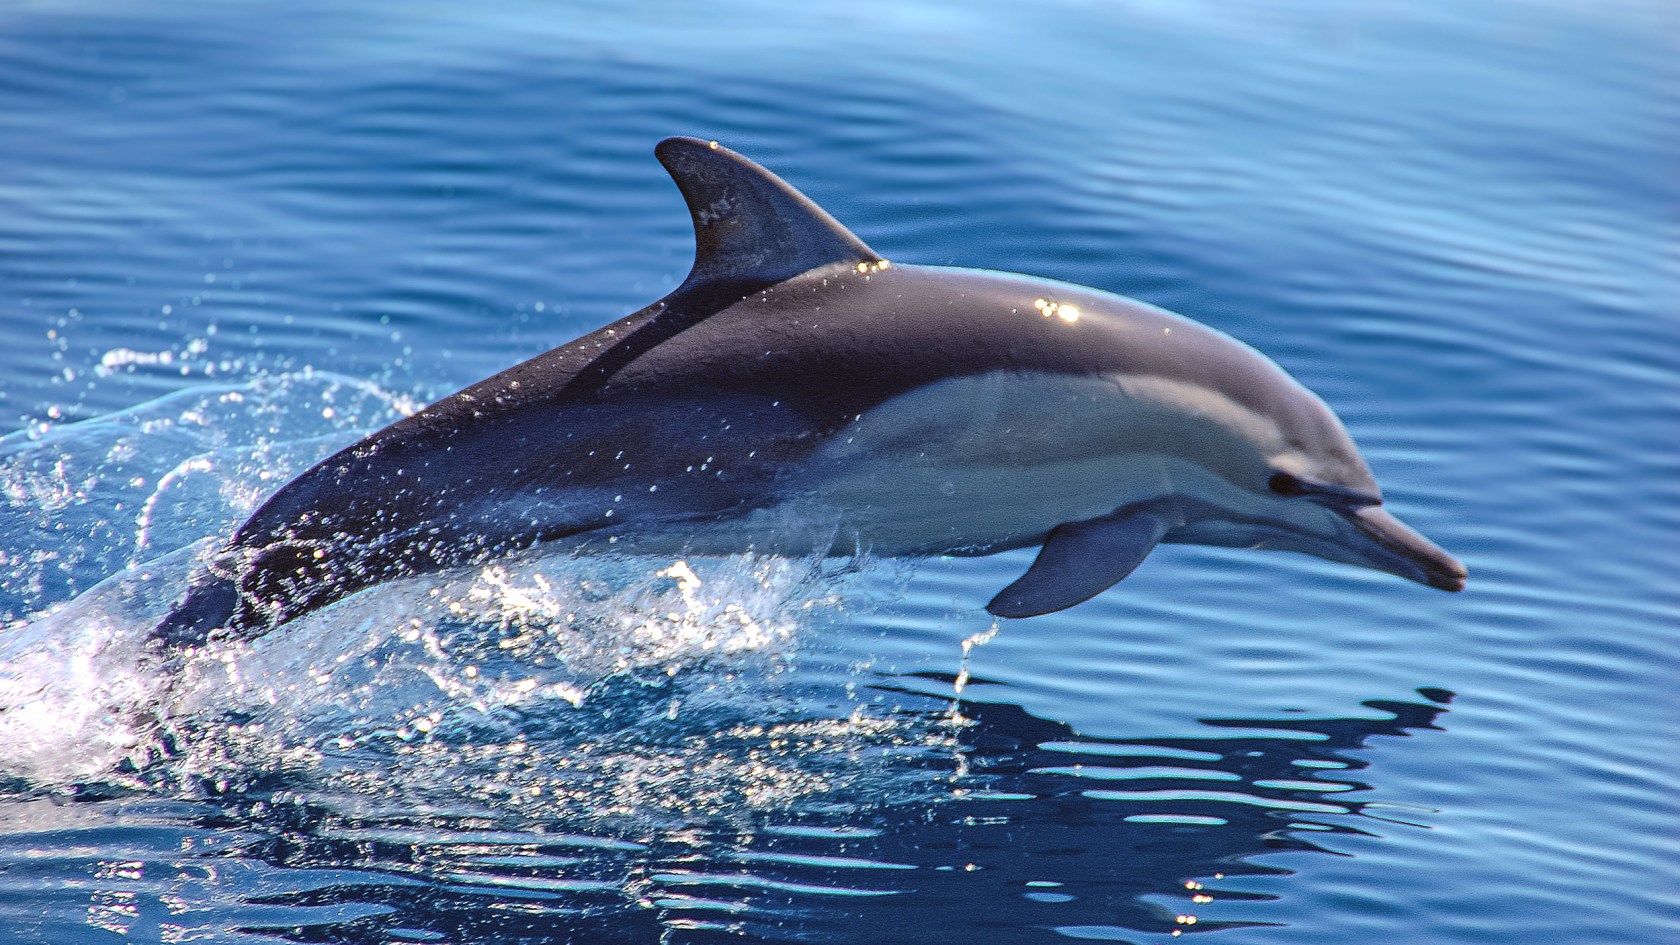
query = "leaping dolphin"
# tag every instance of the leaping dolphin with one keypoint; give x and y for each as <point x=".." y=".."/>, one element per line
<point x="797" y="392"/>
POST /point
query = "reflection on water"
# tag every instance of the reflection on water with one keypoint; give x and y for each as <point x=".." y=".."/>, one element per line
<point x="985" y="824"/>
<point x="1045" y="828"/>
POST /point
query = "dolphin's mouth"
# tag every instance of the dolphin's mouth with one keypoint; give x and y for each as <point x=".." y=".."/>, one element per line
<point x="1390" y="545"/>
<point x="1364" y="535"/>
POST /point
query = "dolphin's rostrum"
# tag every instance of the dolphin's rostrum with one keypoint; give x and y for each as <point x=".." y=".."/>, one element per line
<point x="798" y="393"/>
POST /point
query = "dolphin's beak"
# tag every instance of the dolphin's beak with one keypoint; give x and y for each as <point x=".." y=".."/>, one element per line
<point x="1388" y="544"/>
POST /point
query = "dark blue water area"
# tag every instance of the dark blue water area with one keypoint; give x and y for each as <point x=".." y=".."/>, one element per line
<point x="234" y="238"/>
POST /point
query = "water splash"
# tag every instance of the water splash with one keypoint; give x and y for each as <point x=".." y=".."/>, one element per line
<point x="426" y="682"/>
<point x="646" y="674"/>
<point x="960" y="683"/>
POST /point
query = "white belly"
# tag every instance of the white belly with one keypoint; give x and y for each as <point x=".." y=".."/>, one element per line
<point x="994" y="461"/>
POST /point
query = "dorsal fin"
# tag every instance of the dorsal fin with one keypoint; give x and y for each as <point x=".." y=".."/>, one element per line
<point x="749" y="225"/>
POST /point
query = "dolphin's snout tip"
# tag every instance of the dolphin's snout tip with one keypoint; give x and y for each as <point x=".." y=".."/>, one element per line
<point x="1452" y="575"/>
<point x="1394" y="547"/>
<point x="1440" y="569"/>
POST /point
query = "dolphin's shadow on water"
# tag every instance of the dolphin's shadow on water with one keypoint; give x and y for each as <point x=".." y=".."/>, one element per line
<point x="1034" y="828"/>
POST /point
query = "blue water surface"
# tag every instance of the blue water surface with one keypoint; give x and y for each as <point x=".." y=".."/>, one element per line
<point x="236" y="237"/>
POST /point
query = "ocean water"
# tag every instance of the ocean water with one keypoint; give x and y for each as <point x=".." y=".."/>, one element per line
<point x="234" y="238"/>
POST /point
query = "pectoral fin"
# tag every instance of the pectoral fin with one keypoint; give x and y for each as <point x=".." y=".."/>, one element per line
<point x="1079" y="561"/>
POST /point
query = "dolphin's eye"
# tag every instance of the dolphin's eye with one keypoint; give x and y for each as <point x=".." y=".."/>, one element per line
<point x="1283" y="483"/>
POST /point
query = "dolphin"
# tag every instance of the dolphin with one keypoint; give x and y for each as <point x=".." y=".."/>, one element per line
<point x="799" y="393"/>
